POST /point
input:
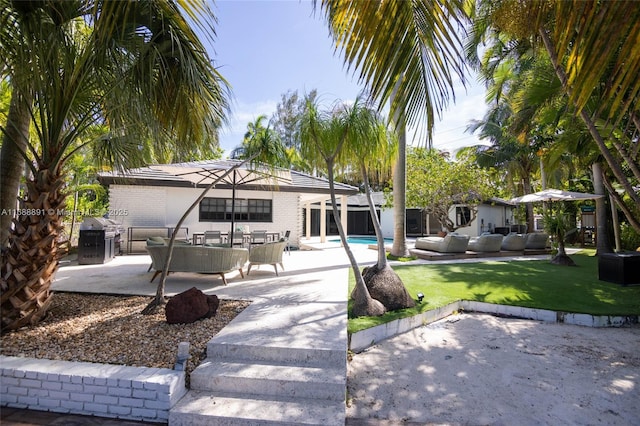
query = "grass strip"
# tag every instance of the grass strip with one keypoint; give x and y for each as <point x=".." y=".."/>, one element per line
<point x="531" y="284"/>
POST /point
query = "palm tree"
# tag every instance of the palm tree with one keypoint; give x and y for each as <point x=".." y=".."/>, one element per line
<point x="139" y="69"/>
<point x="323" y="137"/>
<point x="592" y="47"/>
<point x="408" y="53"/>
<point x="354" y="136"/>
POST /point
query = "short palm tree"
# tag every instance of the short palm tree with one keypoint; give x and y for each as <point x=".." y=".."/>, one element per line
<point x="137" y="68"/>
<point x="336" y="139"/>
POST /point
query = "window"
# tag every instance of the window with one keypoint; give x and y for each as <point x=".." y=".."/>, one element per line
<point x="463" y="216"/>
<point x="246" y="210"/>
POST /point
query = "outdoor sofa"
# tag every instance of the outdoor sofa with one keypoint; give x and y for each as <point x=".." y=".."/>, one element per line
<point x="537" y="241"/>
<point x="451" y="243"/>
<point x="486" y="243"/>
<point x="267" y="254"/>
<point x="199" y="259"/>
<point x="514" y="242"/>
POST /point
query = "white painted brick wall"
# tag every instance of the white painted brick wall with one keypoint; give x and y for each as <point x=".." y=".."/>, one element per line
<point x="159" y="206"/>
<point x="144" y="205"/>
<point x="103" y="390"/>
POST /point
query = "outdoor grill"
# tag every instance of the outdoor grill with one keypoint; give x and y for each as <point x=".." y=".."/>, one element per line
<point x="99" y="240"/>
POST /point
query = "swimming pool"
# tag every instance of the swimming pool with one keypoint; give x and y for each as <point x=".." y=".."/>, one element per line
<point x="362" y="240"/>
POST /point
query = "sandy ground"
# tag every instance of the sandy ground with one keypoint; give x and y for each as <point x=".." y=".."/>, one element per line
<point x="476" y="369"/>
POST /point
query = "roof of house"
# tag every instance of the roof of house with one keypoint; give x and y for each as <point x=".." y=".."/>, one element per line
<point x="199" y="174"/>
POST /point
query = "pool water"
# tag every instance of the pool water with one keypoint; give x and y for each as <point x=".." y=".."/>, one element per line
<point x="361" y="240"/>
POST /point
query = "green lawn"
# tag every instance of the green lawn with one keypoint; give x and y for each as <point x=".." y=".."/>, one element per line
<point x="533" y="284"/>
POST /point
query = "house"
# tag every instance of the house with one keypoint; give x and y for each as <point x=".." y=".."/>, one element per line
<point x="495" y="215"/>
<point x="154" y="198"/>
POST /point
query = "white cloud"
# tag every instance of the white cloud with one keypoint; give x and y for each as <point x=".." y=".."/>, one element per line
<point x="242" y="114"/>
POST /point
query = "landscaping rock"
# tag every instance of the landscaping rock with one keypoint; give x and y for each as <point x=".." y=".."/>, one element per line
<point x="213" y="302"/>
<point x="386" y="286"/>
<point x="190" y="306"/>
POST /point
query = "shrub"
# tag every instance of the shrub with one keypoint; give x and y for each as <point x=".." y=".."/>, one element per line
<point x="629" y="238"/>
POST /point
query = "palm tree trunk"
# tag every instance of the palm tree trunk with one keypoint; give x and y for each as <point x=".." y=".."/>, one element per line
<point x="364" y="305"/>
<point x="399" y="248"/>
<point x="14" y="144"/>
<point x="28" y="266"/>
<point x="635" y="224"/>
<point x="526" y="187"/>
<point x="602" y="236"/>
<point x="382" y="252"/>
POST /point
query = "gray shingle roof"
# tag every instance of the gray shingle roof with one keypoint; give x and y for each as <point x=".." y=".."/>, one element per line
<point x="200" y="173"/>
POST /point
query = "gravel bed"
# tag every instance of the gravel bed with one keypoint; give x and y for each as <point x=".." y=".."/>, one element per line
<point x="111" y="330"/>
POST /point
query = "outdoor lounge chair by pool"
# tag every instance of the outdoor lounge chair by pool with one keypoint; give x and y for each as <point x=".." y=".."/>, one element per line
<point x="451" y="243"/>
<point x="486" y="243"/>
<point x="267" y="254"/>
<point x="537" y="240"/>
<point x="514" y="242"/>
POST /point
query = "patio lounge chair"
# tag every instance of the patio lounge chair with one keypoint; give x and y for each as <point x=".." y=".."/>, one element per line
<point x="451" y="243"/>
<point x="267" y="254"/>
<point x="514" y="242"/>
<point x="537" y="241"/>
<point x="486" y="243"/>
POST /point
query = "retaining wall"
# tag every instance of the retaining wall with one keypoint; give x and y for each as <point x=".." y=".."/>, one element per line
<point x="104" y="390"/>
<point x="364" y="339"/>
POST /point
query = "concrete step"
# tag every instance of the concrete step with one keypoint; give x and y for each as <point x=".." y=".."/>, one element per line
<point x="327" y="383"/>
<point x="203" y="408"/>
<point x="286" y="355"/>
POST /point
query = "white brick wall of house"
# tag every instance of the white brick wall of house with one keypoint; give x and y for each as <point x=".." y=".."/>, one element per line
<point x="141" y="205"/>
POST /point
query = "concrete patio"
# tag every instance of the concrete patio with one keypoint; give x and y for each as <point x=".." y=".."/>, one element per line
<point x="284" y="356"/>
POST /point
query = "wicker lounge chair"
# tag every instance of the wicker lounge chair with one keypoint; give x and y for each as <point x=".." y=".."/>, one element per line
<point x="267" y="254"/>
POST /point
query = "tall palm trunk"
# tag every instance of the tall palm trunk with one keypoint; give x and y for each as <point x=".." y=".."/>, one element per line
<point x="12" y="162"/>
<point x="28" y="266"/>
<point x="603" y="244"/>
<point x="399" y="248"/>
<point x="526" y="187"/>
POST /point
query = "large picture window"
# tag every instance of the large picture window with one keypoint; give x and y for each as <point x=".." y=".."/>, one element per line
<point x="246" y="210"/>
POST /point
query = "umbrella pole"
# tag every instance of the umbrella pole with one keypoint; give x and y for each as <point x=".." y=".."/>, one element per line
<point x="233" y="208"/>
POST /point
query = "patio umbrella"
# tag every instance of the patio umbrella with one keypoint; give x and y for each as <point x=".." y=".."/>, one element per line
<point x="555" y="195"/>
<point x="203" y="173"/>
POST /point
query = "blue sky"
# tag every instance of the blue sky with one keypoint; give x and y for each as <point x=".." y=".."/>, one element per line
<point x="266" y="48"/>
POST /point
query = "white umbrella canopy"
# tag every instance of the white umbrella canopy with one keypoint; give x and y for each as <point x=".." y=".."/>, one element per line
<point x="555" y="195"/>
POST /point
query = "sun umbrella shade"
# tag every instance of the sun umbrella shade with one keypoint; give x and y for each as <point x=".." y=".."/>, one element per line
<point x="555" y="195"/>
